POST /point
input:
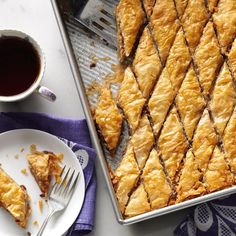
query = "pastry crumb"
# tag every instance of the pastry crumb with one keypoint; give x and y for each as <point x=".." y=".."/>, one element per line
<point x="40" y="205"/>
<point x="35" y="223"/>
<point x="17" y="156"/>
<point x="24" y="171"/>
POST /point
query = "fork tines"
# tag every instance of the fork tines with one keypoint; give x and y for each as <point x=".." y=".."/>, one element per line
<point x="67" y="184"/>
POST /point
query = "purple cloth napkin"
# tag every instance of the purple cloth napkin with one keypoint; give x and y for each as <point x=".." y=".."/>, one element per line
<point x="215" y="218"/>
<point x="75" y="134"/>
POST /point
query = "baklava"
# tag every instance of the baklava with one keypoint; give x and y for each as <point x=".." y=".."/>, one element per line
<point x="44" y="165"/>
<point x="14" y="198"/>
<point x="178" y="95"/>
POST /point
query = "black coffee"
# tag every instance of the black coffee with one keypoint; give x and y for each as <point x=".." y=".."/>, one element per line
<point x="19" y="65"/>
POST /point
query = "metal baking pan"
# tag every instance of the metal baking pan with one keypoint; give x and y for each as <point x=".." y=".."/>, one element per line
<point x="80" y="85"/>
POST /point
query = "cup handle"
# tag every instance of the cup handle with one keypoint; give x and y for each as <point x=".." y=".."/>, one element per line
<point x="46" y="93"/>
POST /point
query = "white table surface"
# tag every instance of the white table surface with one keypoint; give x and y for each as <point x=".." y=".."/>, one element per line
<point x="37" y="19"/>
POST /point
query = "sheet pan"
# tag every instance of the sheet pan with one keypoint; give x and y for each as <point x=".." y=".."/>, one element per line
<point x="82" y="50"/>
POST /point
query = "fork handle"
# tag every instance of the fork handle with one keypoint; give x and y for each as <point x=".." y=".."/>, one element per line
<point x="40" y="232"/>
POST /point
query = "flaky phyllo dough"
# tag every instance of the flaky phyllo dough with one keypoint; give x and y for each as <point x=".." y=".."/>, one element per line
<point x="218" y="175"/>
<point x="223" y="99"/>
<point x="108" y="119"/>
<point x="190" y="184"/>
<point x="131" y="99"/>
<point x="178" y="96"/>
<point x="14" y="198"/>
<point x="225" y="21"/>
<point x="44" y="165"/>
<point x="126" y="176"/>
<point x="172" y="143"/>
<point x="142" y="141"/>
<point x="146" y="64"/>
<point x="156" y="182"/>
<point x="190" y="102"/>
<point x="129" y="17"/>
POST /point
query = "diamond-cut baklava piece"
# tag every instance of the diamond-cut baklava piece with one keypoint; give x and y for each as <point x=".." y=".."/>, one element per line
<point x="232" y="58"/>
<point x="218" y="175"/>
<point x="146" y="63"/>
<point x="189" y="185"/>
<point x="204" y="141"/>
<point x="181" y="6"/>
<point x="229" y="141"/>
<point x="108" y="119"/>
<point x="178" y="60"/>
<point x="165" y="25"/>
<point x="225" y="21"/>
<point x="193" y="21"/>
<point x="14" y="199"/>
<point x="129" y="17"/>
<point x="138" y="202"/>
<point x="208" y="58"/>
<point x="155" y="181"/>
<point x="126" y="175"/>
<point x="190" y="102"/>
<point x="44" y="165"/>
<point x="148" y="6"/>
<point x="142" y="141"/>
<point x="160" y="101"/>
<point x="131" y="99"/>
<point x="223" y="99"/>
<point x="172" y="143"/>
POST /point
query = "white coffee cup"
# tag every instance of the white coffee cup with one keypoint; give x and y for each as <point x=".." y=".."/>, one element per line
<point x="35" y="86"/>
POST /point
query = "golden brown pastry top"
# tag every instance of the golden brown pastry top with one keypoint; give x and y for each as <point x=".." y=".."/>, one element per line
<point x="14" y="199"/>
<point x="172" y="143"/>
<point x="160" y="101"/>
<point x="204" y="141"/>
<point x="225" y="21"/>
<point x="108" y="119"/>
<point x="142" y="141"/>
<point x="208" y="58"/>
<point x="217" y="175"/>
<point x="130" y="17"/>
<point x="229" y="140"/>
<point x="178" y="60"/>
<point x="223" y="99"/>
<point x="131" y="99"/>
<point x="44" y="165"/>
<point x="127" y="174"/>
<point x="155" y="181"/>
<point x="146" y="64"/>
<point x="212" y="5"/>
<point x="193" y="21"/>
<point x="232" y="58"/>
<point x="181" y="6"/>
<point x="190" y="102"/>
<point x="165" y="24"/>
<point x="189" y="185"/>
<point x="148" y="6"/>
<point x="138" y="202"/>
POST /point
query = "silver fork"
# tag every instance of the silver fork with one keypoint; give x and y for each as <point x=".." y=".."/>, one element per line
<point x="60" y="195"/>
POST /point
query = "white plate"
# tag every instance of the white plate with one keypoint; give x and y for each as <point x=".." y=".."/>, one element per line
<point x="11" y="144"/>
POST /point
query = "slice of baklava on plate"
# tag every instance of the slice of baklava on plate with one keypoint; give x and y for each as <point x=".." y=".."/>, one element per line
<point x="44" y="165"/>
<point x="14" y="198"/>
